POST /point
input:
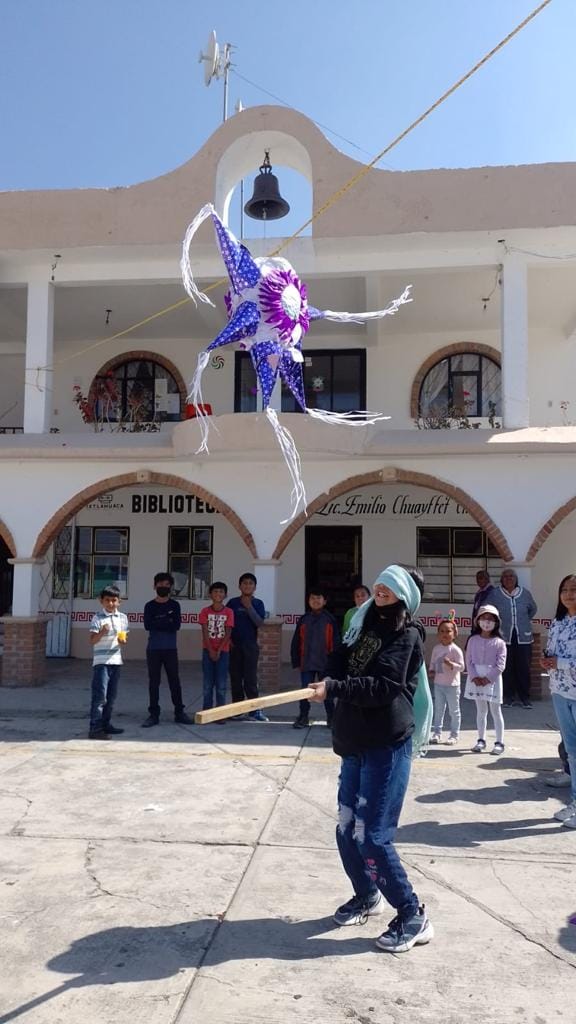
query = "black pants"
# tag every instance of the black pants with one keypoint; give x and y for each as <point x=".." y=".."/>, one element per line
<point x="516" y="677"/>
<point x="244" y="671"/>
<point x="168" y="659"/>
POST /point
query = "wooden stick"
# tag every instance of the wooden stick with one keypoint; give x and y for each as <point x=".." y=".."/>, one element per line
<point x="242" y="707"/>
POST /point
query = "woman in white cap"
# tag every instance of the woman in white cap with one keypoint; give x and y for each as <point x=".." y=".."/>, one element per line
<point x="383" y="710"/>
<point x="485" y="663"/>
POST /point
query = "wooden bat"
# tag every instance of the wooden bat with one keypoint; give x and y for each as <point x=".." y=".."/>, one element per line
<point x="242" y="707"/>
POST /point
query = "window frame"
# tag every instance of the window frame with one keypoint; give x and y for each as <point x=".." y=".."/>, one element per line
<point x="191" y="554"/>
<point x="98" y="553"/>
<point x="123" y="414"/>
<point x="488" y="560"/>
<point x="452" y="374"/>
<point x="240" y="356"/>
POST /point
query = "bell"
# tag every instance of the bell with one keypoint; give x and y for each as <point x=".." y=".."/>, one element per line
<point x="266" y="202"/>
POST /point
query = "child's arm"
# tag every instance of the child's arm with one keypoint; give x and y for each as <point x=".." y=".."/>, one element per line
<point x="456" y="659"/>
<point x="295" y="645"/>
<point x="97" y="634"/>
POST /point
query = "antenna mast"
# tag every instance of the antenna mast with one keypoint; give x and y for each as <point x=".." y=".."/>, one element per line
<point x="217" y="65"/>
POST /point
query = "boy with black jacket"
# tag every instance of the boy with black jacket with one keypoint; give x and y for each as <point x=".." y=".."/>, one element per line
<point x="162" y="619"/>
<point x="315" y="637"/>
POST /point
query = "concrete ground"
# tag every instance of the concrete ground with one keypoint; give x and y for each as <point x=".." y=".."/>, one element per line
<point x="188" y="874"/>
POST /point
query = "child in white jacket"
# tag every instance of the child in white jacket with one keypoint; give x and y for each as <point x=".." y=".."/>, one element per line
<point x="446" y="664"/>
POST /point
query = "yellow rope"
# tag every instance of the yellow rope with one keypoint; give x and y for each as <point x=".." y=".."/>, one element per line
<point x="336" y="195"/>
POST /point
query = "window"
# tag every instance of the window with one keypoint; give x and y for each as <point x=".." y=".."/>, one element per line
<point x="101" y="560"/>
<point x="333" y="381"/>
<point x="142" y="391"/>
<point x="190" y="560"/>
<point x="465" y="384"/>
<point x="450" y="557"/>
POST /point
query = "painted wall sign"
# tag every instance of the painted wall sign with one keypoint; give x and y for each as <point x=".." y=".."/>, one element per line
<point x="169" y="504"/>
<point x="393" y="506"/>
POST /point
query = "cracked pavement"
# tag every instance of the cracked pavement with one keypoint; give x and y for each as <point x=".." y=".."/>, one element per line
<point x="189" y="874"/>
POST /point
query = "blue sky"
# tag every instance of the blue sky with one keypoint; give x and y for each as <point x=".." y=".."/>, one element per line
<point x="111" y="93"/>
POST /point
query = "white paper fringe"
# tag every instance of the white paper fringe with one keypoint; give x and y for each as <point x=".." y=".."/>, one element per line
<point x="377" y="314"/>
<point x="195" y="398"/>
<point x="348" y="419"/>
<point x="292" y="460"/>
<point x="187" y="275"/>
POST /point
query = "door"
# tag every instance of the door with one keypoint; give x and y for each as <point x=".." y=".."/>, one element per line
<point x="57" y="593"/>
<point x="6" y="576"/>
<point x="334" y="562"/>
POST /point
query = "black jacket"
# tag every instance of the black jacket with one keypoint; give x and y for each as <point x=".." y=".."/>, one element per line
<point x="375" y="710"/>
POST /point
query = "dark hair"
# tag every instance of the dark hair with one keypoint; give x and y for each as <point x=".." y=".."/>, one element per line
<point x="318" y="591"/>
<point x="360" y="586"/>
<point x="448" y="622"/>
<point x="110" y="591"/>
<point x="218" y="585"/>
<point x="247" y="576"/>
<point x="561" y="611"/>
<point x="416" y="576"/>
<point x="495" y="632"/>
<point x="164" y="576"/>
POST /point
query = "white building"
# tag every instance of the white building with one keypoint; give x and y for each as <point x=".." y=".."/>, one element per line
<point x="491" y="331"/>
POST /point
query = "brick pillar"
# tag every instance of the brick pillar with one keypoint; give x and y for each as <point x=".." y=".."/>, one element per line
<point x="24" y="658"/>
<point x="538" y="682"/>
<point x="270" y="641"/>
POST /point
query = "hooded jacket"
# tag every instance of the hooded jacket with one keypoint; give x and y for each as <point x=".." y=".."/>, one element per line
<point x="374" y="709"/>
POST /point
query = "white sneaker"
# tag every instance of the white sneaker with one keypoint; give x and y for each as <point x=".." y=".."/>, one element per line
<point x="559" y="780"/>
<point x="566" y="812"/>
<point x="570" y="822"/>
<point x="451" y="741"/>
<point x="434" y="739"/>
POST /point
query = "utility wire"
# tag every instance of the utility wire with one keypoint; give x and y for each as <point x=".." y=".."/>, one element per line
<point x="339" y="193"/>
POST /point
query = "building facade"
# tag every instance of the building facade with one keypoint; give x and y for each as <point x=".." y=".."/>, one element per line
<point x="100" y="480"/>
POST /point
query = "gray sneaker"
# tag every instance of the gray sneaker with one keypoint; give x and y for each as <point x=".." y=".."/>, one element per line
<point x="566" y="812"/>
<point x="400" y="936"/>
<point x="559" y="780"/>
<point x="359" y="909"/>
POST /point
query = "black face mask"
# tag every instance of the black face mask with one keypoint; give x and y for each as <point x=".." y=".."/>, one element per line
<point x="163" y="591"/>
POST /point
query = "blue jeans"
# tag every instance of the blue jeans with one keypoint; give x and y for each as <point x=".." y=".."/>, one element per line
<point x="370" y="797"/>
<point x="215" y="677"/>
<point x="105" y="679"/>
<point x="566" y="714"/>
<point x="304" y="705"/>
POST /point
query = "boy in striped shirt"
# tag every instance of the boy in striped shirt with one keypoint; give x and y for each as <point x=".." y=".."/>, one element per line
<point x="108" y="633"/>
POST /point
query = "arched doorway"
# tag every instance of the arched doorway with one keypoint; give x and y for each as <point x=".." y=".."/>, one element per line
<point x="122" y="531"/>
<point x="391" y="515"/>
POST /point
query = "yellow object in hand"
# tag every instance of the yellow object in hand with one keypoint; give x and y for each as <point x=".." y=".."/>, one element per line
<point x="122" y="635"/>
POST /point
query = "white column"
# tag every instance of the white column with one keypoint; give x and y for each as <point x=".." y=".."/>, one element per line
<point x="27" y="583"/>
<point x="266" y="572"/>
<point x="38" y="398"/>
<point x="515" y="400"/>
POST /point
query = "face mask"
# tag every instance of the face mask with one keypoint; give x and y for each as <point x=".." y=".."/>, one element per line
<point x="487" y="625"/>
<point x="163" y="591"/>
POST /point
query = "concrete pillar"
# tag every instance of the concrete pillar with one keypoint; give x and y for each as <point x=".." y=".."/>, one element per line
<point x="26" y="587"/>
<point x="515" y="399"/>
<point x="266" y="572"/>
<point x="24" y="657"/>
<point x="38" y="375"/>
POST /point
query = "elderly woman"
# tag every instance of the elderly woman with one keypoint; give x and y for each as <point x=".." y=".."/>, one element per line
<point x="374" y="675"/>
<point x="516" y="608"/>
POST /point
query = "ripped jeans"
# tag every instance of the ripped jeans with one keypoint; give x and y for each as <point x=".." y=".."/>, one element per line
<point x="370" y="797"/>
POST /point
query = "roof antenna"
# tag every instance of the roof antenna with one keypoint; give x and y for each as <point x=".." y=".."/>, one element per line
<point x="217" y="65"/>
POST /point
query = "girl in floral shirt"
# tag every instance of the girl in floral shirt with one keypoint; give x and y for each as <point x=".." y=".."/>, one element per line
<point x="560" y="660"/>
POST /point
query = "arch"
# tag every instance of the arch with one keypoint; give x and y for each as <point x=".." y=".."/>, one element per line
<point x="144" y="356"/>
<point x="247" y="152"/>
<point x="8" y="539"/>
<point x="113" y="483"/>
<point x="391" y="475"/>
<point x="459" y="348"/>
<point x="549" y="527"/>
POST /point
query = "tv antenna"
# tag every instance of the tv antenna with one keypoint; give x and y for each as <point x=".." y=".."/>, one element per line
<point x="217" y="65"/>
